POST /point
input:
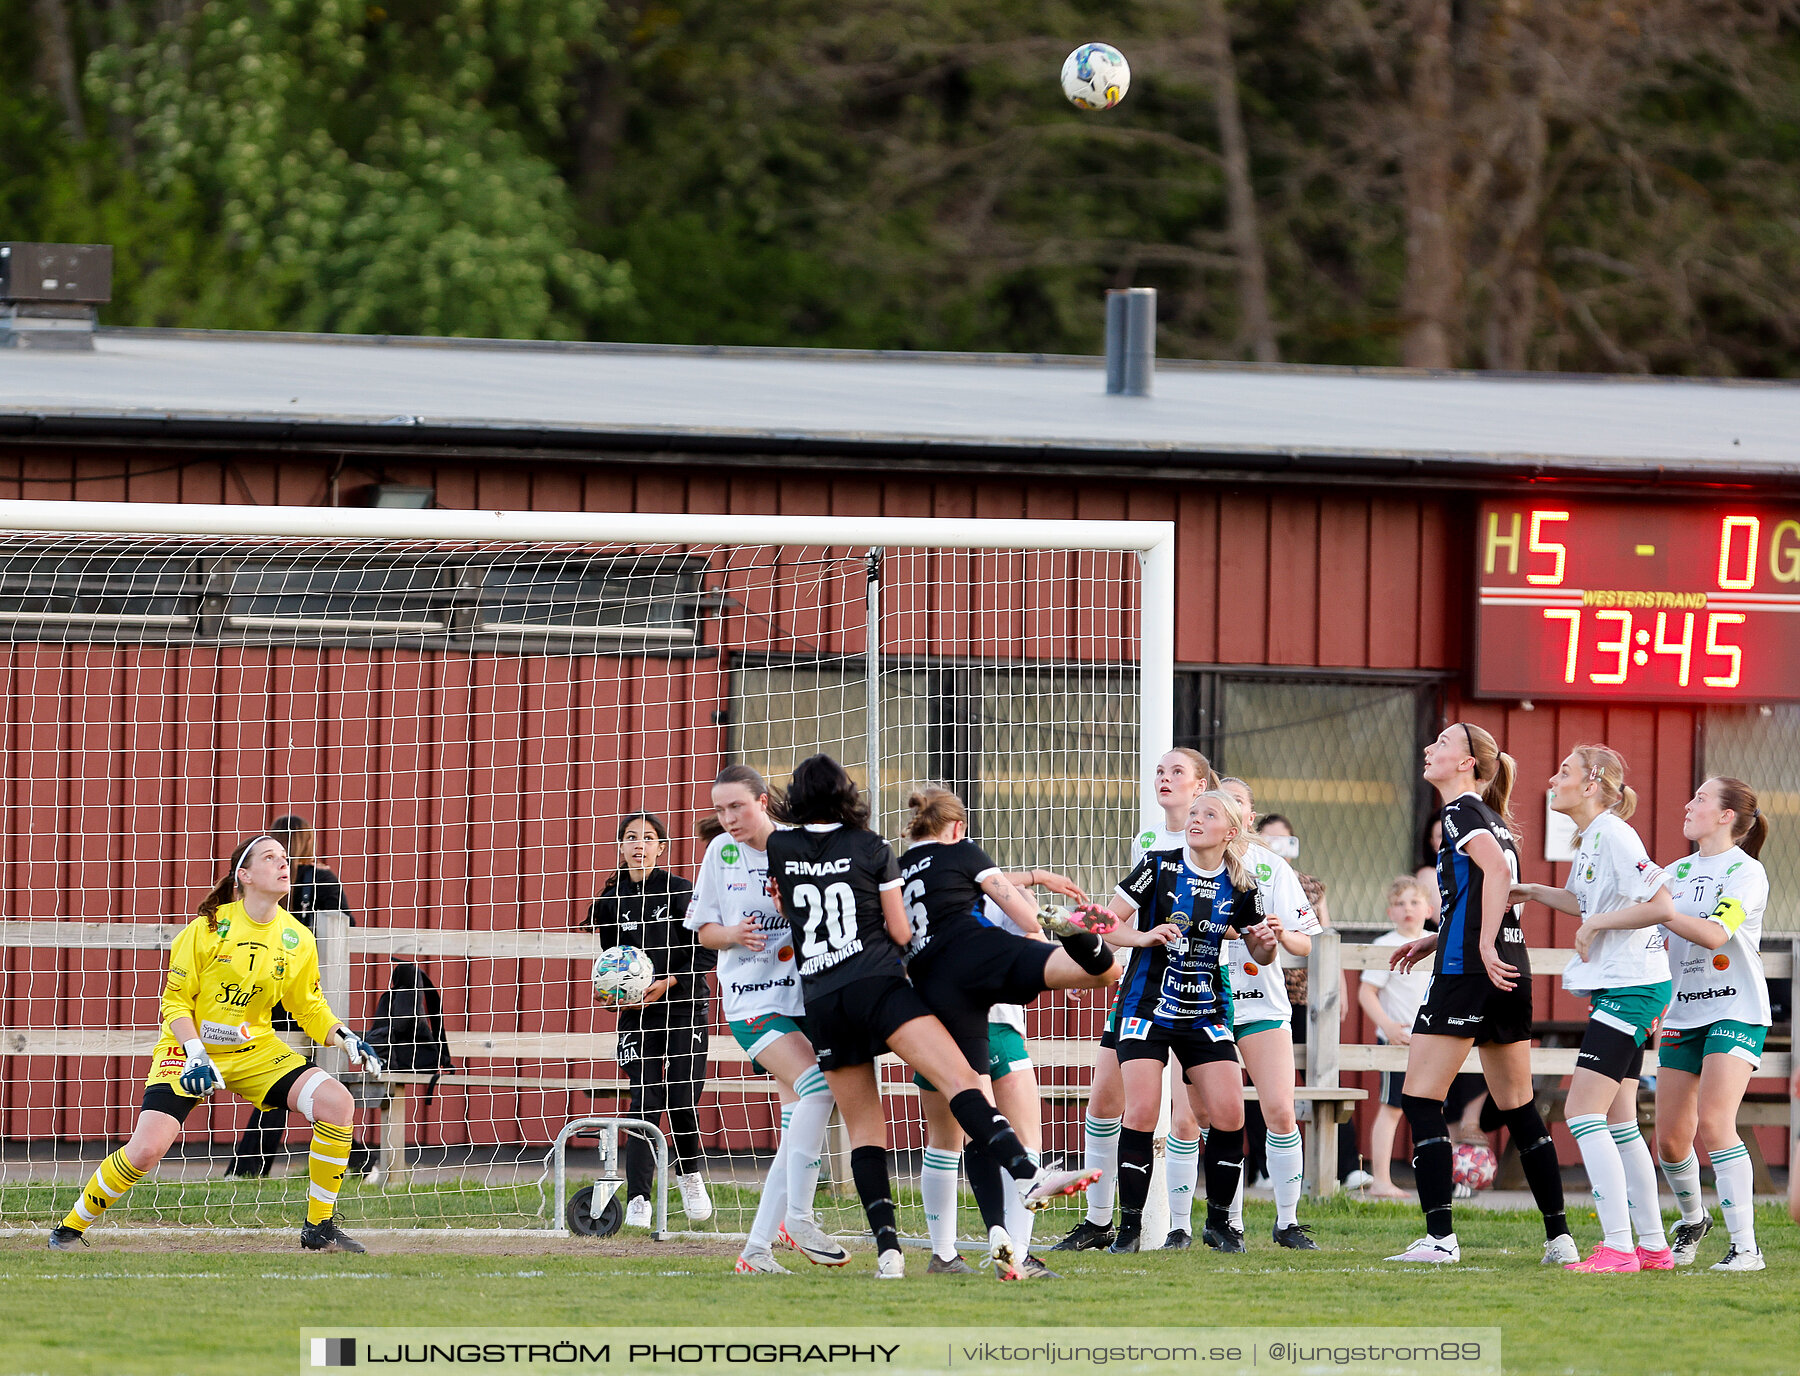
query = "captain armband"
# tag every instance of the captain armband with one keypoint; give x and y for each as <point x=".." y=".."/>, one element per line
<point x="1730" y="915"/>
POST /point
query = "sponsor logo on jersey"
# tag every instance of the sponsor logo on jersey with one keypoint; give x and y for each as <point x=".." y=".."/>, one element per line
<point x="628" y="926"/>
<point x="785" y="982"/>
<point x="1264" y="873"/>
<point x="785" y="953"/>
<point x="1721" y="961"/>
<point x="1734" y="868"/>
<point x="736" y="888"/>
<point x="178" y="972"/>
<point x="1250" y="967"/>
<point x="235" y="995"/>
<point x="1135" y="1029"/>
<point x="280" y="967"/>
<point x="1702" y="995"/>
<point x="172" y="1063"/>
<point x="289" y="938"/>
<point x="729" y="853"/>
<point x="224" y="928"/>
<point x="1681" y="870"/>
<point x="1147" y="840"/>
<point x="817" y="867"/>
<point x="224" y="1034"/>
<point x="1643" y="865"/>
<point x="1588" y="874"/>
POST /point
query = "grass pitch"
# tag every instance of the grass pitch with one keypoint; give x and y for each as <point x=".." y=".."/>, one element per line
<point x="136" y="1305"/>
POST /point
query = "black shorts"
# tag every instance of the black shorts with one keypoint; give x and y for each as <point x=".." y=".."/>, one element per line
<point x="1201" y="1044"/>
<point x="1470" y="1006"/>
<point x="961" y="981"/>
<point x="851" y="1024"/>
<point x="162" y="1098"/>
<point x="1612" y="1053"/>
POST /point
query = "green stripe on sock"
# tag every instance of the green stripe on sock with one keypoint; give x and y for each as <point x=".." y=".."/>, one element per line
<point x="1279" y="1139"/>
<point x="1625" y="1132"/>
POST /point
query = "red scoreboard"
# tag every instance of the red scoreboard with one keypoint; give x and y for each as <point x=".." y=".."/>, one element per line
<point x="1667" y="601"/>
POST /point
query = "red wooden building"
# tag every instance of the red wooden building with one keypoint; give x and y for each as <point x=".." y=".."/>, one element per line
<point x="1330" y="538"/>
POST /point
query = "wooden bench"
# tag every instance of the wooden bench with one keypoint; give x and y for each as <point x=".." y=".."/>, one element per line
<point x="1324" y="1059"/>
<point x="1759" y="1109"/>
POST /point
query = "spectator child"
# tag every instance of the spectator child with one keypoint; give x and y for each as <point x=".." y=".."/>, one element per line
<point x="1392" y="1001"/>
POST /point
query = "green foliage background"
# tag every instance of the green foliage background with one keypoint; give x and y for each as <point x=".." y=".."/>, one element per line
<point x="884" y="174"/>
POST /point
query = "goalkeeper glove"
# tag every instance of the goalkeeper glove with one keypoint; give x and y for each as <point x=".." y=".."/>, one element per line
<point x="361" y="1054"/>
<point x="199" y="1077"/>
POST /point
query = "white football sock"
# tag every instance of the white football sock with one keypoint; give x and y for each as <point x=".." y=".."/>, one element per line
<point x="1736" y="1179"/>
<point x="1019" y="1219"/>
<point x="1606" y="1174"/>
<point x="812" y="1116"/>
<point x="771" y="1208"/>
<point x="1684" y="1179"/>
<point x="1640" y="1186"/>
<point x="1181" y="1169"/>
<point x="1100" y="1151"/>
<point x="937" y="1186"/>
<point x="1287" y="1172"/>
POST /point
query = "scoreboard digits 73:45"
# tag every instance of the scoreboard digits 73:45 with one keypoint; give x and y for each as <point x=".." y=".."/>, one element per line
<point x="1675" y="602"/>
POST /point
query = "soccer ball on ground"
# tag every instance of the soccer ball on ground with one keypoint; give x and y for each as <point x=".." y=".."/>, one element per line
<point x="1096" y="76"/>
<point x="622" y="975"/>
<point x="1473" y="1164"/>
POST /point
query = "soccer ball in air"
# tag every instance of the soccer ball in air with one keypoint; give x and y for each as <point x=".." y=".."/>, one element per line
<point x="1473" y="1165"/>
<point x="1096" y="76"/>
<point x="622" y="975"/>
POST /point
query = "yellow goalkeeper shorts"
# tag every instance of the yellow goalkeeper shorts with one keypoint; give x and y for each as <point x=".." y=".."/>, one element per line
<point x="249" y="1071"/>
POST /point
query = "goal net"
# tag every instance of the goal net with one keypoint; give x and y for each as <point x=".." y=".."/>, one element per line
<point x="463" y="706"/>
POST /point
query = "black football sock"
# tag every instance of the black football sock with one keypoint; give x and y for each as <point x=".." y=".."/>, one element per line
<point x="1224" y="1158"/>
<point x="869" y="1169"/>
<point x="1136" y="1150"/>
<point x="1431" y="1161"/>
<point x="1088" y="951"/>
<point x="988" y="1126"/>
<point x="1537" y="1156"/>
<point x="986" y="1184"/>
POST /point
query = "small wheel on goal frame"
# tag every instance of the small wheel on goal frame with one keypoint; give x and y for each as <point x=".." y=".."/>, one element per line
<point x="582" y="1221"/>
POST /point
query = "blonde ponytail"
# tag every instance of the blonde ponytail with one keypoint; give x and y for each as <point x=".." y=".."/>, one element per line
<point x="1495" y="770"/>
<point x="1605" y="766"/>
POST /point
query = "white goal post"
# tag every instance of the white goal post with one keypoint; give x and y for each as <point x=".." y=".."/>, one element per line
<point x="464" y="702"/>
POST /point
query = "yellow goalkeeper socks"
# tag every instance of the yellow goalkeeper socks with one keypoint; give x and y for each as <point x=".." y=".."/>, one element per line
<point x="115" y="1176"/>
<point x="325" y="1165"/>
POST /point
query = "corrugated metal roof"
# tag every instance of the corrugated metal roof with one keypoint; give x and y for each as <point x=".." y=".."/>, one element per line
<point x="611" y="393"/>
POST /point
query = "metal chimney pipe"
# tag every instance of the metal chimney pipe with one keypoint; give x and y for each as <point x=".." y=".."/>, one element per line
<point x="1130" y="341"/>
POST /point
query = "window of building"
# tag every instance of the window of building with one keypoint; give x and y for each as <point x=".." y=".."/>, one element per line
<point x="1338" y="758"/>
<point x="1761" y="746"/>
<point x="93" y="595"/>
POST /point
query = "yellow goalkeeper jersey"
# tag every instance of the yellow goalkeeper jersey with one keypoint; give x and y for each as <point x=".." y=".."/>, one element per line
<point x="228" y="980"/>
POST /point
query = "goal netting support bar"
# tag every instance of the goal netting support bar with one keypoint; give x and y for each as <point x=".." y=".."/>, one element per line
<point x="463" y="705"/>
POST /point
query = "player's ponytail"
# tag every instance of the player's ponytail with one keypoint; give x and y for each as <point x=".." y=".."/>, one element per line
<point x="227" y="889"/>
<point x="1494" y="769"/>
<point x="933" y="809"/>
<point x="1604" y="766"/>
<point x="1749" y="828"/>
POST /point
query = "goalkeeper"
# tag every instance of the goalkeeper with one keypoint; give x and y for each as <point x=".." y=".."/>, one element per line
<point x="229" y="967"/>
